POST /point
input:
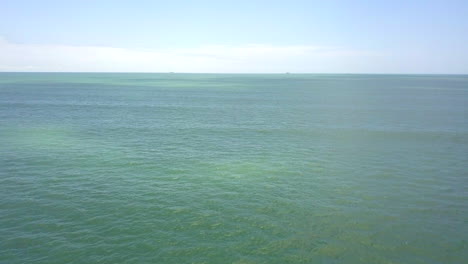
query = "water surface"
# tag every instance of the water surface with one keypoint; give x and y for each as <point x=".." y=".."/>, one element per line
<point x="212" y="168"/>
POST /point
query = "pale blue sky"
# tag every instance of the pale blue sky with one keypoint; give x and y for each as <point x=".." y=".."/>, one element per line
<point x="235" y="36"/>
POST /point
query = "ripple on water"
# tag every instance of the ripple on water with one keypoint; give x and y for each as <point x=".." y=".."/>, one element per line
<point x="261" y="169"/>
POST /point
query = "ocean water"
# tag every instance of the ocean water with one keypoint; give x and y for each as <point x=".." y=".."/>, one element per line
<point x="213" y="168"/>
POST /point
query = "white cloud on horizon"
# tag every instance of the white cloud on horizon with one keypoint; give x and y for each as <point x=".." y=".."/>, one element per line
<point x="214" y="58"/>
<point x="253" y="58"/>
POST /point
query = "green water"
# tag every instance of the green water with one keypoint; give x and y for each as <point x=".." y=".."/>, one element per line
<point x="199" y="168"/>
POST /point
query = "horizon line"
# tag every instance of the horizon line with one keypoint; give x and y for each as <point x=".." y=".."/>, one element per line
<point x="252" y="73"/>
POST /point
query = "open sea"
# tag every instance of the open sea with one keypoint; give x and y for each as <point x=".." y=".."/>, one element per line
<point x="233" y="168"/>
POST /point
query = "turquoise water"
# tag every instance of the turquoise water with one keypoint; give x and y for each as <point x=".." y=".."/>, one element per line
<point x="200" y="168"/>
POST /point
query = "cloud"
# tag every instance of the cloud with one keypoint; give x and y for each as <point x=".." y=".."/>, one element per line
<point x="211" y="58"/>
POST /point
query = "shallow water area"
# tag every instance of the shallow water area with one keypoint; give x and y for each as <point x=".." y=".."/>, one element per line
<point x="233" y="168"/>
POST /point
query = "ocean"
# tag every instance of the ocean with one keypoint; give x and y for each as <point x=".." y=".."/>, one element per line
<point x="233" y="168"/>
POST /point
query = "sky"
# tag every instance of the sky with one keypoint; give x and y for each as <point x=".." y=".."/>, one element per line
<point x="409" y="36"/>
